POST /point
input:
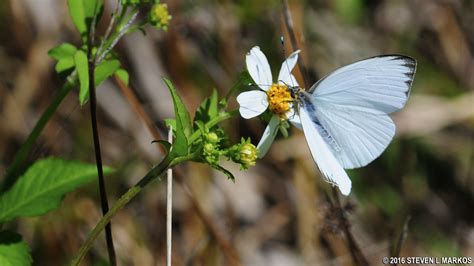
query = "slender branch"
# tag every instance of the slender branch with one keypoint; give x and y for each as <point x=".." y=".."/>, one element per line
<point x="19" y="159"/>
<point x="110" y="27"/>
<point x="402" y="233"/>
<point x="95" y="134"/>
<point x="169" y="205"/>
<point x="117" y="38"/>
<point x="358" y="257"/>
<point x="294" y="43"/>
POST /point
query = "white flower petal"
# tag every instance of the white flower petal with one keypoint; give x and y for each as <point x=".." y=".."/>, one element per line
<point x="252" y="103"/>
<point x="268" y="136"/>
<point x="294" y="118"/>
<point x="285" y="75"/>
<point x="259" y="69"/>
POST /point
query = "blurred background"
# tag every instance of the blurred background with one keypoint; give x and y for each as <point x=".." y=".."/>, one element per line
<point x="278" y="212"/>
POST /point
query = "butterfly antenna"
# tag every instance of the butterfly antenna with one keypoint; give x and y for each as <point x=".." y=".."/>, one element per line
<point x="286" y="62"/>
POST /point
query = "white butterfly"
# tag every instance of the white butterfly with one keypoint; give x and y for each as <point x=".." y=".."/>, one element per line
<point x="344" y="115"/>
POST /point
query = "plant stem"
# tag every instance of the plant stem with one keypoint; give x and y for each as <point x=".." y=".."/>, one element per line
<point x="358" y="257"/>
<point x="14" y="169"/>
<point x="116" y="37"/>
<point x="169" y="206"/>
<point x="124" y="199"/>
<point x="294" y="43"/>
<point x="98" y="156"/>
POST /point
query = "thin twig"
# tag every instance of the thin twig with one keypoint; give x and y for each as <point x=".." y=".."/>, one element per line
<point x="400" y="238"/>
<point x="294" y="43"/>
<point x="122" y="32"/>
<point x="109" y="28"/>
<point x="358" y="257"/>
<point x="95" y="135"/>
<point x="169" y="205"/>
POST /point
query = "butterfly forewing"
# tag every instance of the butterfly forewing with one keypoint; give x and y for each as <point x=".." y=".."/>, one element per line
<point x="352" y="103"/>
<point x="382" y="83"/>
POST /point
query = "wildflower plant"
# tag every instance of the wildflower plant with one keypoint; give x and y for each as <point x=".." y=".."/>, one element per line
<point x="85" y="66"/>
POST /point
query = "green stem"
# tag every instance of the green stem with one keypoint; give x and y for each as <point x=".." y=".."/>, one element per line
<point x="20" y="156"/>
<point x="124" y="199"/>
<point x="156" y="172"/>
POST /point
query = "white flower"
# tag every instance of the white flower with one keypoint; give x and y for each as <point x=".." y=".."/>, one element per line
<point x="275" y="96"/>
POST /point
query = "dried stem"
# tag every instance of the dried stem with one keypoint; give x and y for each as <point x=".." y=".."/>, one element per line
<point x="294" y="43"/>
<point x="169" y="205"/>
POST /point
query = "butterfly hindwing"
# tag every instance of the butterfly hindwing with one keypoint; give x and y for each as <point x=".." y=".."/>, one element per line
<point x="322" y="155"/>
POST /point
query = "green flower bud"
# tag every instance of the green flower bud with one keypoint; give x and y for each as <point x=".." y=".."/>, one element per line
<point x="212" y="137"/>
<point x="248" y="155"/>
<point x="159" y="16"/>
<point x="244" y="153"/>
<point x="208" y="148"/>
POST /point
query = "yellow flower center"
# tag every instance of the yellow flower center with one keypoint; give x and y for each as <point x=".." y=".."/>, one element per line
<point x="279" y="99"/>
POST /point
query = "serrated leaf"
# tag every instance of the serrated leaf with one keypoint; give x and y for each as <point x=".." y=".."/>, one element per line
<point x="43" y="186"/>
<point x="76" y="11"/>
<point x="123" y="75"/>
<point x="183" y="123"/>
<point x="65" y="50"/>
<point x="82" y="67"/>
<point x="225" y="171"/>
<point x="64" y="64"/>
<point x="104" y="70"/>
<point x="13" y="250"/>
<point x="208" y="109"/>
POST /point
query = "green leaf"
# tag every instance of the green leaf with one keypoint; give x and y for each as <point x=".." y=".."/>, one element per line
<point x="225" y="171"/>
<point x="122" y="74"/>
<point x="104" y="70"/>
<point x="170" y="122"/>
<point x="65" y="64"/>
<point x="65" y="50"/>
<point x="76" y="11"/>
<point x="13" y="250"/>
<point x="92" y="8"/>
<point x="82" y="67"/>
<point x="183" y="123"/>
<point x="43" y="186"/>
<point x="208" y="109"/>
<point x="82" y="13"/>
